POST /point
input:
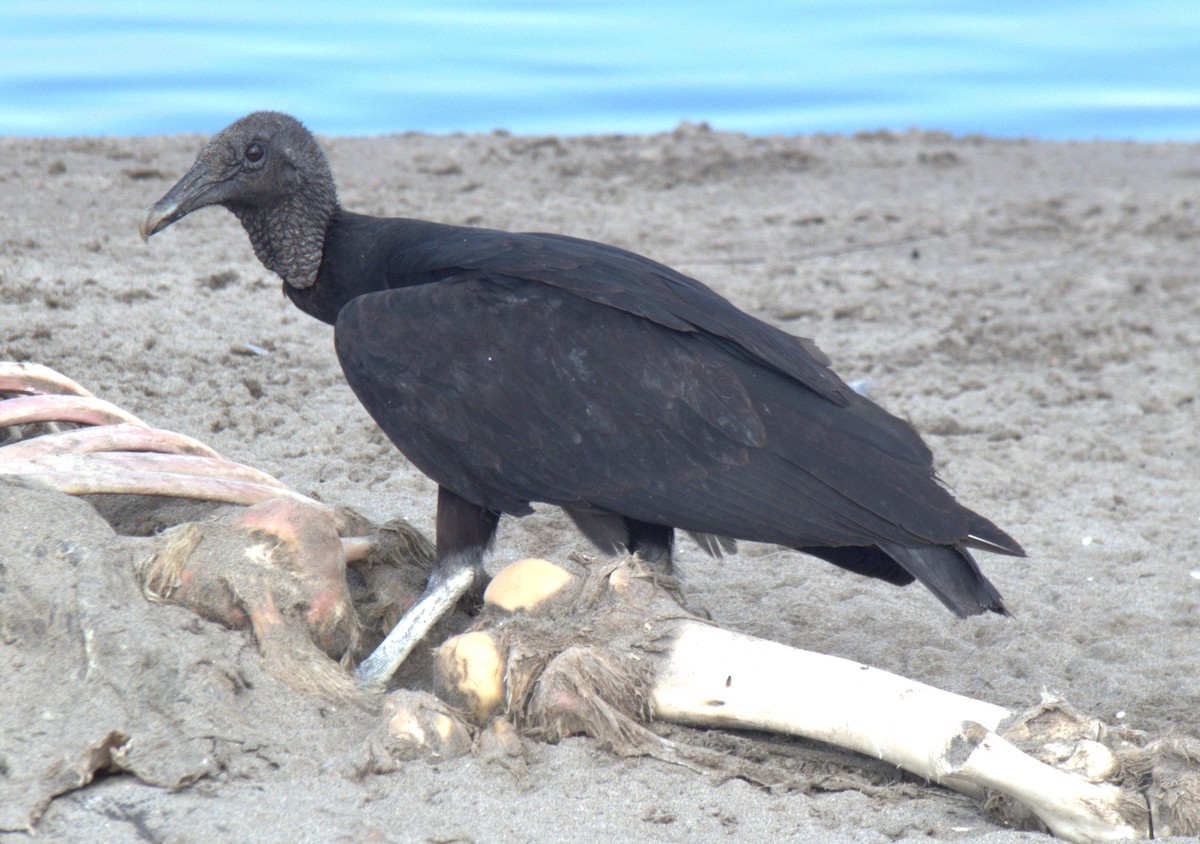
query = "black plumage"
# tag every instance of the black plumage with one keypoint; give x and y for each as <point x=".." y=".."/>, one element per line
<point x="519" y="368"/>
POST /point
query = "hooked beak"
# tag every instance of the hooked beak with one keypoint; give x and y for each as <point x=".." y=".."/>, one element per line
<point x="193" y="191"/>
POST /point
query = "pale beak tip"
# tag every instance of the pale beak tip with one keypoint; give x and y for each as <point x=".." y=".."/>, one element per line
<point x="150" y="220"/>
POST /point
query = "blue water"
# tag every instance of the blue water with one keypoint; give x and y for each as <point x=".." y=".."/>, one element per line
<point x="1046" y="68"/>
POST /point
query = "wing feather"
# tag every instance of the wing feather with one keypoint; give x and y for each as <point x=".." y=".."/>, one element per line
<point x="513" y="391"/>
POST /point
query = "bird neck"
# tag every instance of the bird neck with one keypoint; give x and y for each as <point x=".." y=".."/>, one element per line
<point x="364" y="254"/>
<point x="349" y="266"/>
<point x="289" y="237"/>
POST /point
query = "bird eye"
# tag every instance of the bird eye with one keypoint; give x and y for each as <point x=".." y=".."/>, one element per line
<point x="254" y="152"/>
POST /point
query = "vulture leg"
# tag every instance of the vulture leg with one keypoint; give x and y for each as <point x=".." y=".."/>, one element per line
<point x="464" y="532"/>
<point x="653" y="543"/>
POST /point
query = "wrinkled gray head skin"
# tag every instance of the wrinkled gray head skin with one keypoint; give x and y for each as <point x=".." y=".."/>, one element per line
<point x="269" y="171"/>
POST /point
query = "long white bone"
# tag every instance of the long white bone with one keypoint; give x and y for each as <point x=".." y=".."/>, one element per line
<point x="716" y="678"/>
<point x="620" y="637"/>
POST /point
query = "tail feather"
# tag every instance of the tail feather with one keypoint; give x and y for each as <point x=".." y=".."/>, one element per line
<point x="951" y="574"/>
<point x="987" y="537"/>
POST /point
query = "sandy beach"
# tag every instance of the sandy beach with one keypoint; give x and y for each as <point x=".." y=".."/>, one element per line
<point x="1032" y="308"/>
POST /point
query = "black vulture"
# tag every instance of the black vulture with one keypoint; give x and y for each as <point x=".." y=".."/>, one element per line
<point x="520" y="368"/>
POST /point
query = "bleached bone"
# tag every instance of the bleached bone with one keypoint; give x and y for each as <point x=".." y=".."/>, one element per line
<point x="88" y="410"/>
<point x="118" y="453"/>
<point x="278" y="564"/>
<point x="715" y="678"/>
<point x="36" y="379"/>
<point x="109" y="438"/>
<point x="180" y="476"/>
<point x="587" y="647"/>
